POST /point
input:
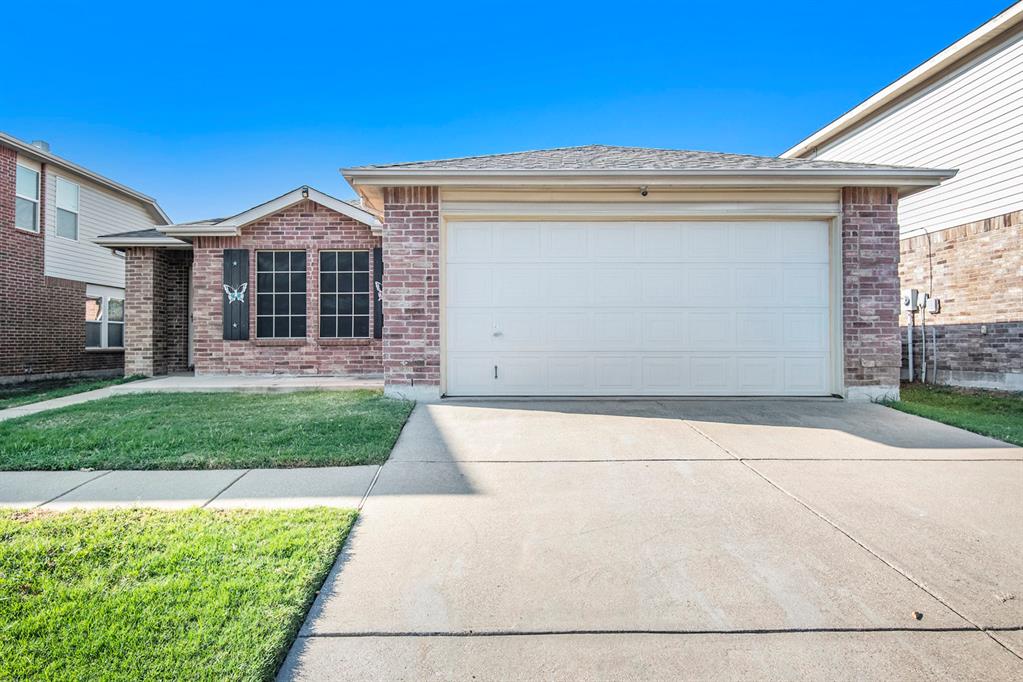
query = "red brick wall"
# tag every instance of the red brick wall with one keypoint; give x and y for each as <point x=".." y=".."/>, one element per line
<point x="156" y="311"/>
<point x="870" y="297"/>
<point x="411" y="289"/>
<point x="976" y="270"/>
<point x="305" y="226"/>
<point x="44" y="317"/>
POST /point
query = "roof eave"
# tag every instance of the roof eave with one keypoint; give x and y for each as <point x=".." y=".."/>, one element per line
<point x="46" y="157"/>
<point x="982" y="38"/>
<point x="135" y="242"/>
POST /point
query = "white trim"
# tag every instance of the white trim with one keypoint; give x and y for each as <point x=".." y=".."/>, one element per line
<point x="995" y="29"/>
<point x="37" y="200"/>
<point x="46" y="157"/>
<point x="57" y="208"/>
<point x="724" y="210"/>
<point x="230" y="227"/>
<point x="907" y="180"/>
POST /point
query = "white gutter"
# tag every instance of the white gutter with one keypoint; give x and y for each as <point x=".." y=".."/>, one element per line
<point x="964" y="47"/>
<point x="46" y="157"/>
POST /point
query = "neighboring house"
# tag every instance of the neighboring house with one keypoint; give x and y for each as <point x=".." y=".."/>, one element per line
<point x="62" y="296"/>
<point x="591" y="270"/>
<point x="962" y="242"/>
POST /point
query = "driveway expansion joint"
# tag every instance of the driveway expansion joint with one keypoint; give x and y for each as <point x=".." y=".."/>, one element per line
<point x="833" y="524"/>
<point x="225" y="488"/>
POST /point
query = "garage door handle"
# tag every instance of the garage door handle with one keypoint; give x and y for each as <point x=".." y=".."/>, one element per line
<point x="498" y="333"/>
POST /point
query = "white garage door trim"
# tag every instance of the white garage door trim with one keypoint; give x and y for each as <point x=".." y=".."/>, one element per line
<point x="521" y="280"/>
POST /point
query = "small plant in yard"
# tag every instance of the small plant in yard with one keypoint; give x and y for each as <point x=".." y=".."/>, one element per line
<point x="150" y="595"/>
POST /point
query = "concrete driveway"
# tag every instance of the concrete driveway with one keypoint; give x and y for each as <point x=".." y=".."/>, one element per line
<point x="741" y="539"/>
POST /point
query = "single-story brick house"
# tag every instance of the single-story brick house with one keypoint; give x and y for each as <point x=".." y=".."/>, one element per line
<point x="592" y="270"/>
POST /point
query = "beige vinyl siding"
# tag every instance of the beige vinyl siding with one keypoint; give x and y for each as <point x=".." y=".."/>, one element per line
<point x="972" y="120"/>
<point x="100" y="212"/>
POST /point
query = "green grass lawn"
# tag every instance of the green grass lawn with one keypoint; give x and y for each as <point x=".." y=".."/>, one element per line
<point x="991" y="413"/>
<point x="13" y="395"/>
<point x="208" y="431"/>
<point x="151" y="595"/>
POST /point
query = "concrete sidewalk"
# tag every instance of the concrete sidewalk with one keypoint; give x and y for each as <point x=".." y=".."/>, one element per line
<point x="218" y="488"/>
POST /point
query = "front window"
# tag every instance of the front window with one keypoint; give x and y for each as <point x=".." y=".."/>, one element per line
<point x="344" y="294"/>
<point x="104" y="322"/>
<point x="67" y="209"/>
<point x="280" y="294"/>
<point x="26" y="201"/>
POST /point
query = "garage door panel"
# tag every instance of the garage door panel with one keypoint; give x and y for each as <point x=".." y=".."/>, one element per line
<point x="469" y="285"/>
<point x="660" y="242"/>
<point x="805" y="285"/>
<point x="637" y="308"/>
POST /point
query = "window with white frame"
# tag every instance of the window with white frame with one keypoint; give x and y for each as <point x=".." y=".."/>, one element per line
<point x="67" y="209"/>
<point x="26" y="193"/>
<point x="104" y="321"/>
<point x="344" y="294"/>
<point x="280" y="294"/>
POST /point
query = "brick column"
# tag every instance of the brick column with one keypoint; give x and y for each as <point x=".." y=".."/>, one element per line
<point x="411" y="292"/>
<point x="140" y="332"/>
<point x="870" y="274"/>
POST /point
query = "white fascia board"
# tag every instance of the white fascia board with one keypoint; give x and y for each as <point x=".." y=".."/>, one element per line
<point x="127" y="242"/>
<point x="908" y="180"/>
<point x="293" y="197"/>
<point x="46" y="157"/>
<point x="986" y="35"/>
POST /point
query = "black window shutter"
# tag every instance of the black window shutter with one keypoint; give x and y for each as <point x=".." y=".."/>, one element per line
<point x="378" y="281"/>
<point x="236" y="312"/>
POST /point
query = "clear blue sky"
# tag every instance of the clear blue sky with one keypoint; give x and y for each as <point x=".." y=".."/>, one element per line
<point x="215" y="107"/>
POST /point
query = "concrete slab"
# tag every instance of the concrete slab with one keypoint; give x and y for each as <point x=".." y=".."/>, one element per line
<point x="264" y="383"/>
<point x="548" y="430"/>
<point x="1012" y="640"/>
<point x="293" y="488"/>
<point x="597" y="546"/>
<point x="160" y="489"/>
<point x="780" y="429"/>
<point x="55" y="403"/>
<point x="23" y="489"/>
<point x="788" y="656"/>
<point x="956" y="527"/>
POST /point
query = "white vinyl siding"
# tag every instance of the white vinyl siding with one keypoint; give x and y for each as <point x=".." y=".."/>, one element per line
<point x="100" y="211"/>
<point x="969" y="120"/>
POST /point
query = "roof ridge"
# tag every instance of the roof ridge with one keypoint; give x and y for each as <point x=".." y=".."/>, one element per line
<point x="491" y="156"/>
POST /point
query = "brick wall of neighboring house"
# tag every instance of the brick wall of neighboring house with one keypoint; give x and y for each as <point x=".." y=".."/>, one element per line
<point x="411" y="351"/>
<point x="156" y="311"/>
<point x="44" y="317"/>
<point x="976" y="270"/>
<point x="306" y="226"/>
<point x="870" y="299"/>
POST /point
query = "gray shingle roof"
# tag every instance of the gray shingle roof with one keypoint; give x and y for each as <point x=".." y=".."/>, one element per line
<point x="137" y="234"/>
<point x="612" y="158"/>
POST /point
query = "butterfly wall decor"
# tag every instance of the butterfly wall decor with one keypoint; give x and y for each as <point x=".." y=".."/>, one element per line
<point x="236" y="294"/>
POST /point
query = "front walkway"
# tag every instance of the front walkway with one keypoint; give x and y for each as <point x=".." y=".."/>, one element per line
<point x="218" y="488"/>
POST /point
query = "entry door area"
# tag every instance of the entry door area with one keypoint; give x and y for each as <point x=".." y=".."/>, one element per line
<point x="637" y="308"/>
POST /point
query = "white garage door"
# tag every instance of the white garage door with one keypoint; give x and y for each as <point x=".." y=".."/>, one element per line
<point x="637" y="308"/>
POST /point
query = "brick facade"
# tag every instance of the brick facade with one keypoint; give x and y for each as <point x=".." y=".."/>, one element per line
<point x="976" y="270"/>
<point x="44" y="317"/>
<point x="306" y="226"/>
<point x="156" y="311"/>
<point x="411" y="349"/>
<point x="870" y="296"/>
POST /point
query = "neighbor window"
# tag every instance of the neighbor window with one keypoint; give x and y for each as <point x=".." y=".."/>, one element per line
<point x="280" y="294"/>
<point x="26" y="201"/>
<point x="67" y="209"/>
<point x="104" y="322"/>
<point x="344" y="294"/>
